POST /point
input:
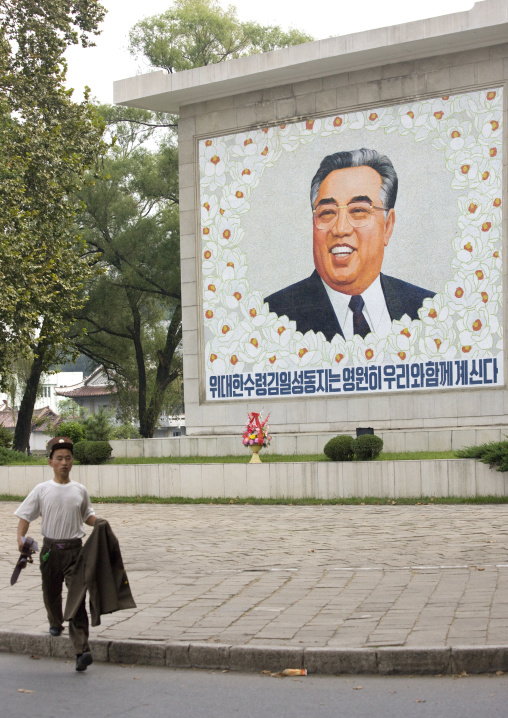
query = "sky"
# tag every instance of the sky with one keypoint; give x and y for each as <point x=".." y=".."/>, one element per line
<point x="100" y="66"/>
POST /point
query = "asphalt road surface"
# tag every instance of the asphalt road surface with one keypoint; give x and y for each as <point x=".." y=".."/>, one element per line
<point x="50" y="688"/>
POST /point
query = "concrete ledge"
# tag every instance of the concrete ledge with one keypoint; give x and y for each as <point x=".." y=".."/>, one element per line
<point x="265" y="658"/>
<point x="331" y="661"/>
<point x="479" y="659"/>
<point x="148" y="653"/>
<point x="325" y="661"/>
<point x="414" y="660"/>
<point x="421" y="439"/>
<point x="285" y="480"/>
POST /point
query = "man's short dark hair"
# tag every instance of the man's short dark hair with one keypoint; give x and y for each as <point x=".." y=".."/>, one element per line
<point x="359" y="158"/>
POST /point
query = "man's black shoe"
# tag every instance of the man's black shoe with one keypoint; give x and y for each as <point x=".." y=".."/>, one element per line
<point x="55" y="630"/>
<point x="83" y="661"/>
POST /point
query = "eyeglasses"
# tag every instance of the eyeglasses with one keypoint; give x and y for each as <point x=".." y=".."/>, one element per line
<point x="358" y="214"/>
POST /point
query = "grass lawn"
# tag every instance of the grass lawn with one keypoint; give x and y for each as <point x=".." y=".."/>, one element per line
<point x="245" y="458"/>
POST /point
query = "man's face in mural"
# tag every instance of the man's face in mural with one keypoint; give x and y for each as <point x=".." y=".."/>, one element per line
<point x="349" y="258"/>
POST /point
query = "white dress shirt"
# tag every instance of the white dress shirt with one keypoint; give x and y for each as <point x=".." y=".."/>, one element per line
<point x="375" y="310"/>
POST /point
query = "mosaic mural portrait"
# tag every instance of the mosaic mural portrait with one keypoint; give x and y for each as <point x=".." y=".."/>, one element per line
<point x="355" y="253"/>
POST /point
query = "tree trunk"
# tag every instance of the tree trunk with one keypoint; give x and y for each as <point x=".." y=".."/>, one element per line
<point x="25" y="415"/>
<point x="164" y="377"/>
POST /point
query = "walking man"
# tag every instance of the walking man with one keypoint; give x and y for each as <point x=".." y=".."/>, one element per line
<point x="64" y="506"/>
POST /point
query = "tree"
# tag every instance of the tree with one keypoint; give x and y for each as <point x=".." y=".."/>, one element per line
<point x="194" y="33"/>
<point x="47" y="142"/>
<point x="132" y="318"/>
<point x="133" y="313"/>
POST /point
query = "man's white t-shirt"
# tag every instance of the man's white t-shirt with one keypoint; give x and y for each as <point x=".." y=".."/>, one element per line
<point x="63" y="507"/>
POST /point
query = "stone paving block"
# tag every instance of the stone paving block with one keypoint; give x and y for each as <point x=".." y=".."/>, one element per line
<point x="333" y="661"/>
<point x="209" y="655"/>
<point x="479" y="659"/>
<point x="265" y="658"/>
<point x="28" y="643"/>
<point x="5" y="640"/>
<point x="61" y="647"/>
<point x="147" y="653"/>
<point x="100" y="649"/>
<point x="413" y="660"/>
<point x="177" y="654"/>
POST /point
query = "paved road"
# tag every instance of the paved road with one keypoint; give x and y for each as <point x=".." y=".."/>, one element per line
<point x="320" y="576"/>
<point x="41" y="688"/>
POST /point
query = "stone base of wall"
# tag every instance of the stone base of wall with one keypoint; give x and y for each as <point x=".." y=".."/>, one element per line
<point x="326" y="480"/>
<point x="448" y="439"/>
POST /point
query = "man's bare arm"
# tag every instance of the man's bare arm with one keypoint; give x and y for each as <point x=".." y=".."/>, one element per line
<point x="91" y="520"/>
<point x="23" y="526"/>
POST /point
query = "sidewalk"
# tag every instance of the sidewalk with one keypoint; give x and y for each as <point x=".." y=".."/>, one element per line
<point x="332" y="588"/>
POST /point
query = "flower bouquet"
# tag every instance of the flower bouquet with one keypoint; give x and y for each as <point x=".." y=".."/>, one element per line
<point x="256" y="434"/>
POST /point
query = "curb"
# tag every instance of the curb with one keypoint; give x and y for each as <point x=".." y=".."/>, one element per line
<point x="323" y="661"/>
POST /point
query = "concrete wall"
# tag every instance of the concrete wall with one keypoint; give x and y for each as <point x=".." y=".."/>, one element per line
<point x="307" y="443"/>
<point x="453" y="477"/>
<point x="355" y="90"/>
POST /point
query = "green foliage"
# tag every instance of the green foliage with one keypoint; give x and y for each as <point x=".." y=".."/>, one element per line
<point x="367" y="447"/>
<point x="68" y="409"/>
<point x="47" y="141"/>
<point x="92" y="452"/>
<point x="494" y="453"/>
<point x="73" y="429"/>
<point x="340" y="448"/>
<point x="12" y="457"/>
<point x="194" y="33"/>
<point x="98" y="426"/>
<point x="125" y="431"/>
<point x="131" y="323"/>
<point x="5" y="437"/>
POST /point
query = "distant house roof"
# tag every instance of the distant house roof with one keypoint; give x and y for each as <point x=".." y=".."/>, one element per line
<point x="9" y="418"/>
<point x="96" y="384"/>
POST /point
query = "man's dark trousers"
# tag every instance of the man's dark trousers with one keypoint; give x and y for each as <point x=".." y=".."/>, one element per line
<point x="55" y="570"/>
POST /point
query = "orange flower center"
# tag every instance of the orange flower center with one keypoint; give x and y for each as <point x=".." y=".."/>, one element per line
<point x="302" y="352"/>
<point x="459" y="292"/>
<point x="215" y="160"/>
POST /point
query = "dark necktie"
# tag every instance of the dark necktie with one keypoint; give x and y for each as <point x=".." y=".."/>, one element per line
<point x="360" y="324"/>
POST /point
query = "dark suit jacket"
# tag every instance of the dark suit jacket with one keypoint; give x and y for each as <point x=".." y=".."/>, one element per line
<point x="307" y="303"/>
<point x="99" y="569"/>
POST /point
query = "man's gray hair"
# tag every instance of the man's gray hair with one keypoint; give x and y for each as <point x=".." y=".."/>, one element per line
<point x="359" y="158"/>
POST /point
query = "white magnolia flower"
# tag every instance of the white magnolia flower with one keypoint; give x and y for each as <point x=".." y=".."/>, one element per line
<point x="209" y="209"/>
<point x="335" y="125"/>
<point x="453" y="135"/>
<point x="380" y="118"/>
<point x="280" y="334"/>
<point x="438" y="341"/>
<point x="461" y="293"/>
<point x="248" y="172"/>
<point x="272" y="362"/>
<point x="338" y="352"/>
<point x="402" y="343"/>
<point x="257" y="311"/>
<point x="370" y="350"/>
<point x="232" y="291"/>
<point x="436" y="311"/>
<point x="478" y="321"/>
<point x="235" y="199"/>
<point x="310" y="350"/>
<point x="212" y="164"/>
<point x="225" y="326"/>
<point x="465" y="165"/>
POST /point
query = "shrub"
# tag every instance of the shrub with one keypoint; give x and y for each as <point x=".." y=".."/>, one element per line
<point x="125" y="431"/>
<point x="495" y="453"/>
<point x="340" y="448"/>
<point x="92" y="452"/>
<point x="12" y="457"/>
<point x="98" y="426"/>
<point x="367" y="447"/>
<point x="5" y="437"/>
<point x="73" y="429"/>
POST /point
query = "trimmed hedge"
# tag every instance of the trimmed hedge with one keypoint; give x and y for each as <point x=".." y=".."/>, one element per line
<point x="367" y="447"/>
<point x="340" y="448"/>
<point x="7" y="456"/>
<point x="92" y="452"/>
